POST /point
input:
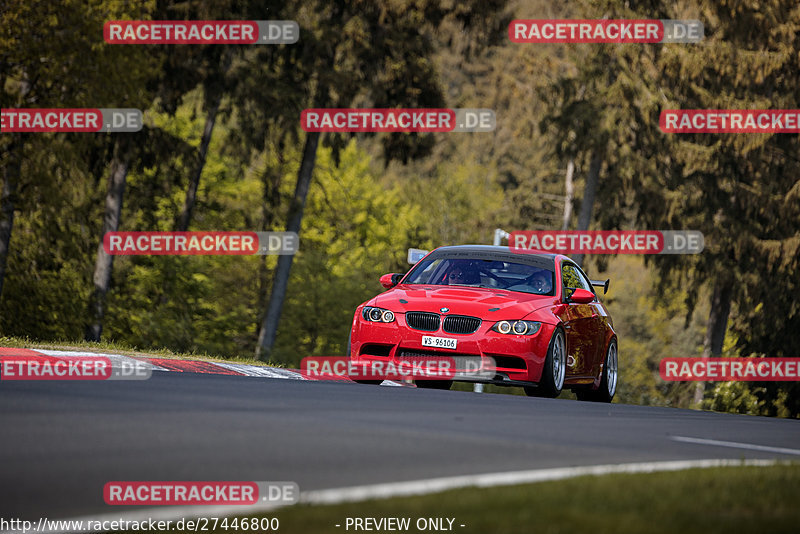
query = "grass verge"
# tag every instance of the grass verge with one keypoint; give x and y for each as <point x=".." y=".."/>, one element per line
<point x="701" y="501"/>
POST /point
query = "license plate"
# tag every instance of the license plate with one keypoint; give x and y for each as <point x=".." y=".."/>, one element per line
<point x="439" y="342"/>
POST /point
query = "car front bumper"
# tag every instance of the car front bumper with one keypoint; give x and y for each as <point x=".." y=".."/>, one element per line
<point x="517" y="358"/>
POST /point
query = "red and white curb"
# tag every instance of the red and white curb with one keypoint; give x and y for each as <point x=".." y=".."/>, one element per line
<point x="181" y="366"/>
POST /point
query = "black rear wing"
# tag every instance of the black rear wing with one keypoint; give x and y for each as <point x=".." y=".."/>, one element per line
<point x="601" y="283"/>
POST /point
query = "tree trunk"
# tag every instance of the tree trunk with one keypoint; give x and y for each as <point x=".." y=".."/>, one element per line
<point x="102" y="270"/>
<point x="717" y="325"/>
<point x="589" y="191"/>
<point x="185" y="217"/>
<point x="269" y="327"/>
<point x="271" y="179"/>
<point x="272" y="184"/>
<point x="11" y="172"/>
<point x="569" y="187"/>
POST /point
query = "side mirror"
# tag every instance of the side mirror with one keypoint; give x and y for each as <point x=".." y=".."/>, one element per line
<point x="581" y="296"/>
<point x="390" y="280"/>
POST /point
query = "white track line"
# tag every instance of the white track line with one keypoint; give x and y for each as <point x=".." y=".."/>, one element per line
<point x="416" y="487"/>
<point x="737" y="445"/>
<point x="489" y="480"/>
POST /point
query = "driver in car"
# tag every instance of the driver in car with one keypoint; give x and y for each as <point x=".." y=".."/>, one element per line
<point x="464" y="275"/>
<point x="542" y="282"/>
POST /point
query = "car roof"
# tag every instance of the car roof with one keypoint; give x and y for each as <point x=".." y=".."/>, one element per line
<point x="537" y="259"/>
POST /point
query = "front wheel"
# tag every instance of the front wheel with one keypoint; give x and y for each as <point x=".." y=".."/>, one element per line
<point x="608" y="382"/>
<point x="555" y="368"/>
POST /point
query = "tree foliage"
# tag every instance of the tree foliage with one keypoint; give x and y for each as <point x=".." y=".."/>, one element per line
<point x="373" y="196"/>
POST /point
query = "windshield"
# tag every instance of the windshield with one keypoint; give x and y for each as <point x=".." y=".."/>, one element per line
<point x="489" y="274"/>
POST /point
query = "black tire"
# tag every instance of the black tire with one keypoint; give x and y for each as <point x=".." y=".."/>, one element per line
<point x="608" y="382"/>
<point x="549" y="385"/>
<point x="434" y="384"/>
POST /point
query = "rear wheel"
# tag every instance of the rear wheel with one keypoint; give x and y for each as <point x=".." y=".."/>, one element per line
<point x="434" y="384"/>
<point x="555" y="367"/>
<point x="608" y="382"/>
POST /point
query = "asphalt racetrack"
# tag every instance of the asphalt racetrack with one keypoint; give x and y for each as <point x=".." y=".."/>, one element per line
<point x="62" y="441"/>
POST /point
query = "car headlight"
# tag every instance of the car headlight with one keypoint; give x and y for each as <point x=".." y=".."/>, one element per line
<point x="504" y="327"/>
<point x="377" y="315"/>
<point x="519" y="328"/>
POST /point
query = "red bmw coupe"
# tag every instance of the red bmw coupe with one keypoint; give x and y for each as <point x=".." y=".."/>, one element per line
<point x="536" y="316"/>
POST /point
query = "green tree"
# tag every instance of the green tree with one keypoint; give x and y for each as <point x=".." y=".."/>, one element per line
<point x="52" y="56"/>
<point x="356" y="230"/>
<point x="738" y="189"/>
<point x="364" y="53"/>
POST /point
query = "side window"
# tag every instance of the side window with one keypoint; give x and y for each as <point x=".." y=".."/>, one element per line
<point x="571" y="279"/>
<point x="426" y="274"/>
<point x="586" y="283"/>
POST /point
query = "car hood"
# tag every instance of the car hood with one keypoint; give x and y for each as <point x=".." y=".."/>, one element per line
<point x="479" y="302"/>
